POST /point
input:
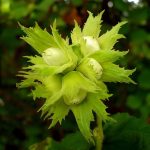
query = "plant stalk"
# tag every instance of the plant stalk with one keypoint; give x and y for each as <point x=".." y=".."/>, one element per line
<point x="98" y="134"/>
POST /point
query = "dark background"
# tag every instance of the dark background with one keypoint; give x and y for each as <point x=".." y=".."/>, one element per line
<point x="20" y="124"/>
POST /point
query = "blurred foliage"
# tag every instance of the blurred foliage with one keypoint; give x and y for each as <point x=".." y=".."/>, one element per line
<point x="20" y="124"/>
<point x="130" y="133"/>
<point x="127" y="137"/>
<point x="73" y="141"/>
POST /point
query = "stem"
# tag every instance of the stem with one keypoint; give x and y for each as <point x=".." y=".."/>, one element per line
<point x="98" y="134"/>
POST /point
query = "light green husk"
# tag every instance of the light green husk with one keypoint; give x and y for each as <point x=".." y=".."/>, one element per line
<point x="72" y="77"/>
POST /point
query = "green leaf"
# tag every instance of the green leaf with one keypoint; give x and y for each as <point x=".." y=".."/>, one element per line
<point x="55" y="112"/>
<point x="109" y="39"/>
<point x="51" y="100"/>
<point x="39" y="66"/>
<point x="92" y="25"/>
<point x="107" y="56"/>
<point x="42" y="87"/>
<point x="134" y="102"/>
<point x="47" y="90"/>
<point x="59" y="111"/>
<point x="39" y="39"/>
<point x="40" y="92"/>
<point x="42" y="68"/>
<point x="94" y="101"/>
<point x="139" y="36"/>
<point x="29" y="79"/>
<point x="113" y="73"/>
<point x="139" y="15"/>
<point x="19" y="9"/>
<point x="84" y="113"/>
<point x="44" y="145"/>
<point x="126" y="133"/>
<point x="74" y="141"/>
<point x="77" y="51"/>
<point x="143" y="79"/>
<point x="25" y="83"/>
<point x="121" y="5"/>
<point x="44" y="5"/>
<point x="63" y="45"/>
<point x="36" y="60"/>
<point x="76" y="34"/>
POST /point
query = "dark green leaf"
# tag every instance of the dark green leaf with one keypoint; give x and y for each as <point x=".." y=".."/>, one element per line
<point x="144" y="80"/>
<point x="127" y="133"/>
<point x="134" y="101"/>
